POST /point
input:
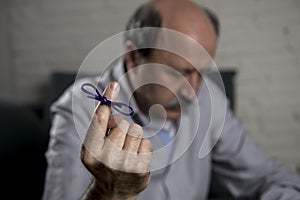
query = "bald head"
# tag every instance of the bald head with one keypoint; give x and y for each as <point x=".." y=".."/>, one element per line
<point x="183" y="16"/>
<point x="180" y="15"/>
<point x="188" y="18"/>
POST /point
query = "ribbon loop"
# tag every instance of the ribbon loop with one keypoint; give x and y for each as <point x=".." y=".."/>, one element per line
<point x="115" y="105"/>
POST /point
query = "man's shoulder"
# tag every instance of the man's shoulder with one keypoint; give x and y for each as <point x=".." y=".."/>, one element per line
<point x="72" y="93"/>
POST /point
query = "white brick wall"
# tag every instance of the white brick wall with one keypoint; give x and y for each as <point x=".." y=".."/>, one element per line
<point x="57" y="35"/>
<point x="260" y="38"/>
<point x="5" y="83"/>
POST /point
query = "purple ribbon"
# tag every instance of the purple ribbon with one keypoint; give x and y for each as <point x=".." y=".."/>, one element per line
<point x="115" y="105"/>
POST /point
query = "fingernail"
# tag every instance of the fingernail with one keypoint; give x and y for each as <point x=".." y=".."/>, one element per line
<point x="114" y="86"/>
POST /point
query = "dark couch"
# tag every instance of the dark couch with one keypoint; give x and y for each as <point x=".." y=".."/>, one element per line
<point x="22" y="146"/>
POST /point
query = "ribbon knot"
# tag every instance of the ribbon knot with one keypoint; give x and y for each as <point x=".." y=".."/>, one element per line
<point x="118" y="106"/>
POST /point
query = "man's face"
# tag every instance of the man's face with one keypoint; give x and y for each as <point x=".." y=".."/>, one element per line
<point x="168" y="80"/>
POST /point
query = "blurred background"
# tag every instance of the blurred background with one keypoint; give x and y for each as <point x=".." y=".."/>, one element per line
<point x="259" y="41"/>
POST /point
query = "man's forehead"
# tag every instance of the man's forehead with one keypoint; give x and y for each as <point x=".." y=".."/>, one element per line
<point x="186" y="44"/>
<point x="191" y="61"/>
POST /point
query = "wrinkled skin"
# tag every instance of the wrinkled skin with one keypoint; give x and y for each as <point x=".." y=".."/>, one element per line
<point x="119" y="161"/>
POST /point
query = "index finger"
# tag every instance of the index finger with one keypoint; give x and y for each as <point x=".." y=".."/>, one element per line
<point x="103" y="111"/>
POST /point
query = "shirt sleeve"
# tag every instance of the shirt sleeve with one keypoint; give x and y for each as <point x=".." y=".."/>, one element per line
<point x="246" y="170"/>
<point x="66" y="177"/>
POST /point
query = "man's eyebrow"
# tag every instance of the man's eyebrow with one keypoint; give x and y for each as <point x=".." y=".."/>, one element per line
<point x="183" y="68"/>
<point x="189" y="70"/>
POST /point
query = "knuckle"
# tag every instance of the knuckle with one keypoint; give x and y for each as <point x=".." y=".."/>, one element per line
<point x="87" y="159"/>
<point x="120" y="130"/>
<point x="118" y="118"/>
<point x="124" y="125"/>
<point x="114" y="120"/>
<point x="133" y="139"/>
<point x="100" y="118"/>
<point x="135" y="130"/>
<point x="147" y="144"/>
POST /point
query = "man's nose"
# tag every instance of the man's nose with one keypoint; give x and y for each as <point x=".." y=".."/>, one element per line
<point x="190" y="86"/>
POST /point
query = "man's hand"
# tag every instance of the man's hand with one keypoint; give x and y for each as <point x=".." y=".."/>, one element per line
<point x="120" y="162"/>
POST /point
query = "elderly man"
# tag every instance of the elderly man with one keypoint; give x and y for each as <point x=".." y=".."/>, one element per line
<point x="116" y="161"/>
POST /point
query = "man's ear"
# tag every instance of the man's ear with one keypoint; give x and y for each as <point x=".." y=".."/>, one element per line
<point x="130" y="56"/>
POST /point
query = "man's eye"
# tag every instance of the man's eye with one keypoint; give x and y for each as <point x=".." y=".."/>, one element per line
<point x="188" y="72"/>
